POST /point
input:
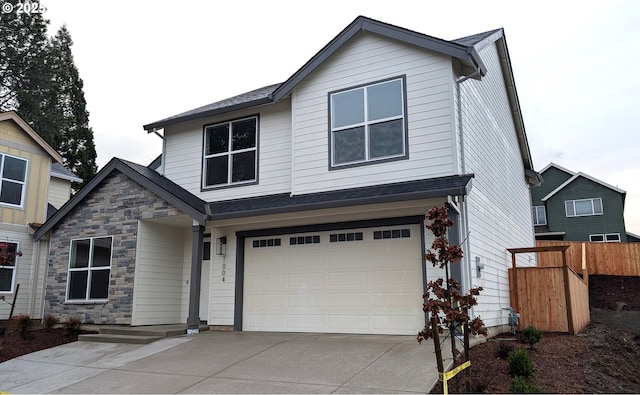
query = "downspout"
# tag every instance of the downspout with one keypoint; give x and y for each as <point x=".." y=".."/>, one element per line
<point x="463" y="170"/>
<point x="164" y="146"/>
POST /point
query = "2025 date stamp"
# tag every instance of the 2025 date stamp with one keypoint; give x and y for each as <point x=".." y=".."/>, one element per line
<point x="27" y="7"/>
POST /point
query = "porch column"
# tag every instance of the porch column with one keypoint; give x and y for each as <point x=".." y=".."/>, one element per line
<point x="193" y="321"/>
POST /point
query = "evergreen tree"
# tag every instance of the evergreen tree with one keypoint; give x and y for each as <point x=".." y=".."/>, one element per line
<point x="38" y="79"/>
<point x="68" y="109"/>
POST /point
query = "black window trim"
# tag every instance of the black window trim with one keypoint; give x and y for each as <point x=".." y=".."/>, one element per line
<point x="403" y="78"/>
<point x="204" y="188"/>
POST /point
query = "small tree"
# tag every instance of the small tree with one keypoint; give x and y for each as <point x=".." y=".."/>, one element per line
<point x="444" y="301"/>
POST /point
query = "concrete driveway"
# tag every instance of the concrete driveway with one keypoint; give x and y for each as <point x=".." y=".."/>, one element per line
<point x="229" y="362"/>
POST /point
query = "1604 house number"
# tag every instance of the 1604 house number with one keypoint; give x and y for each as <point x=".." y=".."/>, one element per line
<point x="224" y="266"/>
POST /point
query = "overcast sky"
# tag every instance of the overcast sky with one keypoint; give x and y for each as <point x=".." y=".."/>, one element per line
<point x="575" y="65"/>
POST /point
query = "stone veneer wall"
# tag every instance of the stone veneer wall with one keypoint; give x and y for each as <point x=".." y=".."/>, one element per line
<point x="111" y="209"/>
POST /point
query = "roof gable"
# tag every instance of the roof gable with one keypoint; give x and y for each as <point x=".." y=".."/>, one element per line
<point x="556" y="166"/>
<point x="13" y="116"/>
<point x="148" y="178"/>
<point x="586" y="176"/>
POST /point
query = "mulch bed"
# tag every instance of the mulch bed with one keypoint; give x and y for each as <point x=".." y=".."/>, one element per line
<point x="15" y="344"/>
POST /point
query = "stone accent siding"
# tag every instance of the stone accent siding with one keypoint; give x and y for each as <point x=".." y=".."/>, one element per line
<point x="111" y="209"/>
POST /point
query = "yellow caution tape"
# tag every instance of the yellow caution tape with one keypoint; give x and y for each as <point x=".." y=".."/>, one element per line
<point x="446" y="376"/>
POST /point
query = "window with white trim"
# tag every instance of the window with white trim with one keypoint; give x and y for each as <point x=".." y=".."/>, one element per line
<point x="89" y="269"/>
<point x="368" y="123"/>
<point x="539" y="215"/>
<point x="605" y="238"/>
<point x="8" y="263"/>
<point x="583" y="207"/>
<point x="230" y="153"/>
<point x="13" y="178"/>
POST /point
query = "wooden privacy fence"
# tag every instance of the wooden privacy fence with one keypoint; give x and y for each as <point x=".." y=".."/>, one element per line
<point x="613" y="259"/>
<point x="552" y="298"/>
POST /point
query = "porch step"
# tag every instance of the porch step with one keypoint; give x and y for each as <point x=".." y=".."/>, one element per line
<point x="127" y="339"/>
<point x="136" y="334"/>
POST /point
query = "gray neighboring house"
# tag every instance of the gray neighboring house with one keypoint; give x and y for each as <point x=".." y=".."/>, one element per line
<point x="577" y="207"/>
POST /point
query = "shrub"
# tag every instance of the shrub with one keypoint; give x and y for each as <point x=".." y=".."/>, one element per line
<point x="23" y="323"/>
<point x="504" y="349"/>
<point x="520" y="363"/>
<point x="49" y="322"/>
<point x="73" y="326"/>
<point x="523" y="385"/>
<point x="531" y="335"/>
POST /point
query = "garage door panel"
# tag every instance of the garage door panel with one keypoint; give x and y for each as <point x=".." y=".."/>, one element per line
<point x="397" y="323"/>
<point x="302" y="281"/>
<point x="265" y="282"/>
<point x="348" y="302"/>
<point x="265" y="321"/>
<point x="349" y="323"/>
<point x="304" y="322"/>
<point x="351" y="286"/>
<point x="349" y="279"/>
<point x="305" y="301"/>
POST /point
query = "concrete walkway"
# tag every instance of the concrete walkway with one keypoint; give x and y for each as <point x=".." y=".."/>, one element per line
<point x="229" y="362"/>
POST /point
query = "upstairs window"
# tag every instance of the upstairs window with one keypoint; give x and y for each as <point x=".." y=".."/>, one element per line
<point x="8" y="260"/>
<point x="368" y="123"/>
<point x="230" y="153"/>
<point x="89" y="269"/>
<point x="539" y="215"/>
<point x="583" y="207"/>
<point x="13" y="177"/>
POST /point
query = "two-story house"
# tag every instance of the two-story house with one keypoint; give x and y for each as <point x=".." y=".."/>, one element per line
<point x="577" y="207"/>
<point x="300" y="206"/>
<point x="33" y="184"/>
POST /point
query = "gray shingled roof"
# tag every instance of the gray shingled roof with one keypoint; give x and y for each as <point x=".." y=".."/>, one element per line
<point x="161" y="186"/>
<point x="62" y="172"/>
<point x="243" y="100"/>
<point x="281" y="203"/>
<point x="462" y="49"/>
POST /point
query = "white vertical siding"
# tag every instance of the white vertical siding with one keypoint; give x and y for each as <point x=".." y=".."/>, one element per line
<point x="183" y="154"/>
<point x="498" y="205"/>
<point x="369" y="58"/>
<point x="159" y="275"/>
<point x="59" y="192"/>
<point x="222" y="292"/>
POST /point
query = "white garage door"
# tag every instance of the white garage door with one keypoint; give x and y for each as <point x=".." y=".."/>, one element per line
<point x="348" y="281"/>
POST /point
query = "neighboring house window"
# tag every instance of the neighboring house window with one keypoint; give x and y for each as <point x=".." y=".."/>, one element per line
<point x="583" y="207"/>
<point x="13" y="176"/>
<point x="539" y="216"/>
<point x="89" y="269"/>
<point x="8" y="262"/>
<point x="230" y="153"/>
<point x="608" y="238"/>
<point x="368" y="123"/>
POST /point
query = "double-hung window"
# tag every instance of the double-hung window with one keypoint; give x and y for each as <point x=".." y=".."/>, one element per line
<point x="583" y="207"/>
<point x="368" y="123"/>
<point x="8" y="261"/>
<point x="13" y="177"/>
<point x="230" y="153"/>
<point x="89" y="269"/>
<point x="539" y="215"/>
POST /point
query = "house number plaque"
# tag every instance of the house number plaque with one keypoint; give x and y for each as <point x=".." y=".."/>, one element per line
<point x="224" y="266"/>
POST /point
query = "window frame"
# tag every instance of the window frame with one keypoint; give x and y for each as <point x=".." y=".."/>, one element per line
<point x="88" y="269"/>
<point x="605" y="237"/>
<point x="229" y="153"/>
<point x="14" y="268"/>
<point x="4" y="155"/>
<point x="366" y="124"/>
<point x="593" y="207"/>
<point x="536" y="217"/>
